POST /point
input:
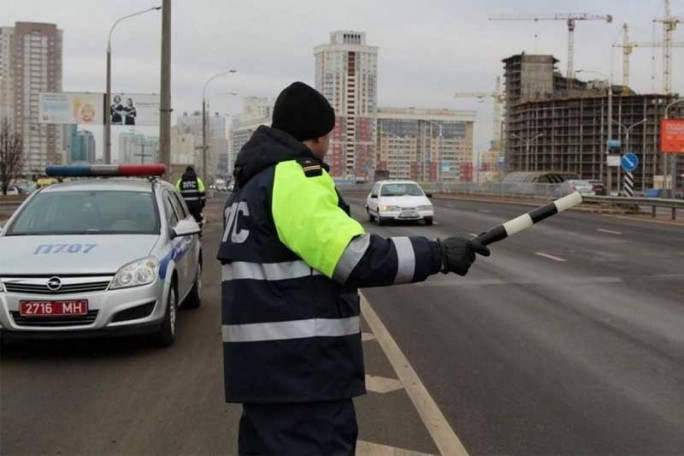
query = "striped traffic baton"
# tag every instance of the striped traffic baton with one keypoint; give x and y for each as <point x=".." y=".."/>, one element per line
<point x="525" y="221"/>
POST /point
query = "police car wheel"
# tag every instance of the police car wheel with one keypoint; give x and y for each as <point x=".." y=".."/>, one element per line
<point x="167" y="333"/>
<point x="194" y="299"/>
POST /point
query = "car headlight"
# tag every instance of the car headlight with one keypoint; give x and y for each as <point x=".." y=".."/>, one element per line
<point x="135" y="274"/>
<point x="427" y="207"/>
<point x="390" y="208"/>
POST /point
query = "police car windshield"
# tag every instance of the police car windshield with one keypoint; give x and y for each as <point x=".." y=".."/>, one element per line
<point x="87" y="212"/>
<point x="401" y="190"/>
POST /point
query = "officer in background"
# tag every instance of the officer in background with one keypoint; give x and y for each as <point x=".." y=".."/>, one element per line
<point x="191" y="188"/>
<point x="292" y="260"/>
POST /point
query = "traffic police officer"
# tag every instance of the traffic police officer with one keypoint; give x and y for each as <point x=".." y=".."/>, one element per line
<point x="192" y="189"/>
<point x="292" y="260"/>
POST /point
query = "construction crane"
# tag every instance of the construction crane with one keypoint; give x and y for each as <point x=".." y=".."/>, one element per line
<point x="498" y="98"/>
<point x="669" y="25"/>
<point x="570" y="19"/>
<point x="627" y="48"/>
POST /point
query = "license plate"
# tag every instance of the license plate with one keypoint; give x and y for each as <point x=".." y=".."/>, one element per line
<point x="408" y="214"/>
<point x="53" y="308"/>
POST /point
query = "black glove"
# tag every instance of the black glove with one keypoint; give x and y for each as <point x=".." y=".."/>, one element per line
<point x="459" y="253"/>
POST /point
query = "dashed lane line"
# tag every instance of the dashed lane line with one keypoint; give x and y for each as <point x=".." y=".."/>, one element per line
<point x="382" y="385"/>
<point x="550" y="257"/>
<point x="609" y="231"/>
<point x="435" y="422"/>
<point x="373" y="449"/>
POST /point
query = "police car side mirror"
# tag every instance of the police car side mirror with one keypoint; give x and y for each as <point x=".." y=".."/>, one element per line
<point x="374" y="196"/>
<point x="429" y="195"/>
<point x="185" y="228"/>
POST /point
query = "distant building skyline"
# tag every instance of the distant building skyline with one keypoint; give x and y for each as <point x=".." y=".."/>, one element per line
<point x="82" y="147"/>
<point x="138" y="148"/>
<point x="347" y="75"/>
<point x="31" y="63"/>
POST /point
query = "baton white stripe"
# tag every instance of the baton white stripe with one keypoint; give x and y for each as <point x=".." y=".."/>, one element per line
<point x="568" y="201"/>
<point x="406" y="261"/>
<point x="518" y="224"/>
<point x="266" y="271"/>
<point x="285" y="330"/>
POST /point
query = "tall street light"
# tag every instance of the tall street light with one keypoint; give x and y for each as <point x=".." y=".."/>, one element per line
<point x="610" y="121"/>
<point x="108" y="95"/>
<point x="528" y="142"/>
<point x="204" y="121"/>
<point x="673" y="157"/>
<point x="627" y="130"/>
<point x="426" y="159"/>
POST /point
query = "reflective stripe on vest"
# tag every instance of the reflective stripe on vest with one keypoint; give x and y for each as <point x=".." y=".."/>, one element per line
<point x="406" y="259"/>
<point x="266" y="271"/>
<point x="285" y="330"/>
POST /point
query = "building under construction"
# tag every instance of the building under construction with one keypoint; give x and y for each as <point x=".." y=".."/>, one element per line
<point x="555" y="123"/>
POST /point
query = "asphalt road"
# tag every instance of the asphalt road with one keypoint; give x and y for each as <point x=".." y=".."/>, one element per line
<point x="567" y="340"/>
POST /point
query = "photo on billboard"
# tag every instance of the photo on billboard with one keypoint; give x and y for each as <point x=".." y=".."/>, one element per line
<point x="672" y="136"/>
<point x="141" y="109"/>
<point x="71" y="108"/>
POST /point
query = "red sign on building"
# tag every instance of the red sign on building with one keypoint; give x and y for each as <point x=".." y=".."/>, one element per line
<point x="672" y="136"/>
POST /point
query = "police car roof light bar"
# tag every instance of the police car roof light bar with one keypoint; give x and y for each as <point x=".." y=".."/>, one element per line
<point x="124" y="170"/>
<point x="525" y="221"/>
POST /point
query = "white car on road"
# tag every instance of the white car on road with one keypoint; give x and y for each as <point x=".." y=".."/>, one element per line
<point x="399" y="201"/>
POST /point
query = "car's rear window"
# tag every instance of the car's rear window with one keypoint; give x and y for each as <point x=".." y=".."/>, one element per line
<point x="401" y="190"/>
<point x="87" y="212"/>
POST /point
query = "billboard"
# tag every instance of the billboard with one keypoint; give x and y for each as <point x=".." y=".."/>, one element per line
<point x="71" y="108"/>
<point x="88" y="108"/>
<point x="672" y="136"/>
<point x="135" y="109"/>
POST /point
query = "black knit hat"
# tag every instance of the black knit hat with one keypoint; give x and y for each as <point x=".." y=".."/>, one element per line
<point x="303" y="112"/>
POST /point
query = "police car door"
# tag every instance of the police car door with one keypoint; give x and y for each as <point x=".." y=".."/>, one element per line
<point x="181" y="245"/>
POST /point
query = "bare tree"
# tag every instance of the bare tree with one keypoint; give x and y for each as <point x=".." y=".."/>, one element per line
<point x="11" y="154"/>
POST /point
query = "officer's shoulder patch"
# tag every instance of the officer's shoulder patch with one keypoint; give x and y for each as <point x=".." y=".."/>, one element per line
<point x="311" y="167"/>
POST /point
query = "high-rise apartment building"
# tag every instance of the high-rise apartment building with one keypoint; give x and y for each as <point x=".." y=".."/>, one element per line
<point x="82" y="147"/>
<point x="217" y="141"/>
<point x="427" y="145"/>
<point x="31" y="63"/>
<point x="138" y="148"/>
<point x="6" y="82"/>
<point x="346" y="74"/>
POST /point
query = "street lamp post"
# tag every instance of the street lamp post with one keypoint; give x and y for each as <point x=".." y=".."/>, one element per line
<point x="439" y="149"/>
<point x="673" y="158"/>
<point x="108" y="94"/>
<point x="627" y="130"/>
<point x="204" y="120"/>
<point x="528" y="142"/>
<point x="609" y="174"/>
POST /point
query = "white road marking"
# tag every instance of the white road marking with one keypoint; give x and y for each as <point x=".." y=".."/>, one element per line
<point x="551" y="257"/>
<point x="437" y="425"/>
<point x="367" y="336"/>
<point x="484" y="210"/>
<point x="609" y="231"/>
<point x="472" y="234"/>
<point x="382" y="384"/>
<point x="373" y="449"/>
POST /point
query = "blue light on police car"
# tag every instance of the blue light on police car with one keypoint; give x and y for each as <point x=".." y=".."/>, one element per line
<point x="127" y="170"/>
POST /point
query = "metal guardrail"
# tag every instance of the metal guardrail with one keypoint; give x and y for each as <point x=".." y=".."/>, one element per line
<point x="654" y="203"/>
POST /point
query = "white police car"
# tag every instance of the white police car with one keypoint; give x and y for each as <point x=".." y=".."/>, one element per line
<point x="105" y="256"/>
<point x="398" y="200"/>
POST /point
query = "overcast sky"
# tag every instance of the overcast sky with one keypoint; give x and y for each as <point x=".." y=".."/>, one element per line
<point x="428" y="49"/>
